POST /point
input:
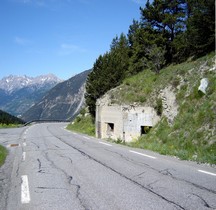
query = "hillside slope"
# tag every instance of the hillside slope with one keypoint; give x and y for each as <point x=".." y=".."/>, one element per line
<point x="187" y="128"/>
<point x="7" y="119"/>
<point x="60" y="103"/>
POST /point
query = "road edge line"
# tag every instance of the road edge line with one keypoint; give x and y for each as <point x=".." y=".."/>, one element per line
<point x="138" y="153"/>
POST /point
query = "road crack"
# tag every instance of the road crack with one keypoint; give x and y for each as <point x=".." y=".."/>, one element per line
<point x="166" y="172"/>
<point x="70" y="182"/>
<point x="35" y="144"/>
<point x="202" y="200"/>
<point x="124" y="176"/>
<point x="40" y="166"/>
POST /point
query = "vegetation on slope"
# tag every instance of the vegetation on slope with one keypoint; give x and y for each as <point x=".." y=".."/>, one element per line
<point x="192" y="134"/>
<point x="168" y="32"/>
<point x="83" y="123"/>
<point x="7" y="120"/>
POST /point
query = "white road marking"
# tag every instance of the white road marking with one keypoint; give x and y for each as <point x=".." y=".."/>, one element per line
<point x="86" y="137"/>
<point x="206" y="172"/>
<point x="65" y="129"/>
<point x="25" y="194"/>
<point x="23" y="156"/>
<point x="24" y="144"/>
<point x="149" y="156"/>
<point x="105" y="143"/>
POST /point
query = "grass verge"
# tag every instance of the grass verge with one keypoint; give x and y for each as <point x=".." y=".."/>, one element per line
<point x="10" y="125"/>
<point x="83" y="124"/>
<point x="3" y="154"/>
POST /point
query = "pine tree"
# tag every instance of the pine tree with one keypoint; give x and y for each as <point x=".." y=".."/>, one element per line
<point x="108" y="71"/>
<point x="201" y="26"/>
<point x="147" y="50"/>
<point x="167" y="18"/>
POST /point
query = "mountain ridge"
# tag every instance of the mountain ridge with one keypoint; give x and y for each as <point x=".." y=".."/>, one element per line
<point x="19" y="93"/>
<point x="62" y="102"/>
<point x="12" y="82"/>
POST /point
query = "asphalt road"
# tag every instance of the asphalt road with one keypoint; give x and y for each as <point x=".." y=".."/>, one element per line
<point x="50" y="168"/>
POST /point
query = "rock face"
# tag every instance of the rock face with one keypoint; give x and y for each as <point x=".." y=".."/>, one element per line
<point x="62" y="102"/>
<point x="170" y="107"/>
<point x="19" y="93"/>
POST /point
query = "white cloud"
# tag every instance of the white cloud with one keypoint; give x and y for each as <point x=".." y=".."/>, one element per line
<point x="26" y="1"/>
<point x="67" y="49"/>
<point x="43" y="3"/>
<point x="141" y="2"/>
<point x="22" y="41"/>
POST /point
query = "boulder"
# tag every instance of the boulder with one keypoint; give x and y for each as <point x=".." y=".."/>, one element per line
<point x="203" y="85"/>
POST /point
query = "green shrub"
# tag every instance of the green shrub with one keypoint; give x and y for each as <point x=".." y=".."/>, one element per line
<point x="159" y="106"/>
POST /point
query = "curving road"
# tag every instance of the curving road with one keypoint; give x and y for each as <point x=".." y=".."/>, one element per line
<point x="50" y="168"/>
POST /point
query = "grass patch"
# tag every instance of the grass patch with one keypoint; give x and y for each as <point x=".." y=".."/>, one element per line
<point x="83" y="124"/>
<point x="9" y="125"/>
<point x="3" y="154"/>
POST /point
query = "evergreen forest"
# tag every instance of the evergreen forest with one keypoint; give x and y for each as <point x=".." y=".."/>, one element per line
<point x="8" y="119"/>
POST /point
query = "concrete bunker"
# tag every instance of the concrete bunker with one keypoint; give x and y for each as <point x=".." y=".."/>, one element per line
<point x="124" y="122"/>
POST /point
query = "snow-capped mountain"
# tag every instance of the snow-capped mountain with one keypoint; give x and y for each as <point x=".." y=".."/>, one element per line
<point x="13" y="83"/>
<point x="19" y="93"/>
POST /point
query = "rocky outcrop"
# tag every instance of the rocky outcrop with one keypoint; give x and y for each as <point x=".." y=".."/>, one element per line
<point x="170" y="107"/>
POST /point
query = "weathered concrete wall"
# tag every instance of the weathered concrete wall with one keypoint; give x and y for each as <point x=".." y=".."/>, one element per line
<point x="123" y="122"/>
<point x="136" y="117"/>
<point x="107" y="115"/>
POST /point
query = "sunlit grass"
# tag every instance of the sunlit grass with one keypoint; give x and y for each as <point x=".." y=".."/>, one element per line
<point x="83" y="124"/>
<point x="3" y="154"/>
<point x="10" y="125"/>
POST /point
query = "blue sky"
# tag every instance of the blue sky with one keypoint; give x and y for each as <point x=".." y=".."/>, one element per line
<point x="63" y="37"/>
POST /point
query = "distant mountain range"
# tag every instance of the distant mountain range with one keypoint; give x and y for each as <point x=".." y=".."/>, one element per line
<point x="62" y="102"/>
<point x="19" y="93"/>
<point x="13" y="83"/>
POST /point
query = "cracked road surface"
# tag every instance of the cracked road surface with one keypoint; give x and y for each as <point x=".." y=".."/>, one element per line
<point x="54" y="169"/>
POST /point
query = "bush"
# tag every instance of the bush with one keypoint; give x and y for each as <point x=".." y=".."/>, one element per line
<point x="159" y="106"/>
